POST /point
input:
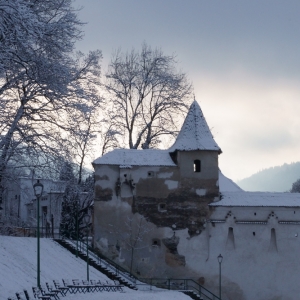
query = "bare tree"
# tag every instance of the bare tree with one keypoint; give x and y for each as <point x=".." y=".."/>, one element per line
<point x="109" y="137"/>
<point x="85" y="129"/>
<point x="136" y="232"/>
<point x="42" y="82"/>
<point x="145" y="96"/>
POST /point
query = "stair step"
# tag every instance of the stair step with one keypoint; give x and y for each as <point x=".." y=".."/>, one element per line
<point x="111" y="274"/>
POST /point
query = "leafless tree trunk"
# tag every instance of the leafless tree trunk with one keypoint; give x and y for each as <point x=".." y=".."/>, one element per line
<point x="146" y="96"/>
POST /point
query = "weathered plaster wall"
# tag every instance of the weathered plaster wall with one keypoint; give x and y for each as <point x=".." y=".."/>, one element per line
<point x="166" y="198"/>
<point x="174" y="197"/>
<point x="261" y="266"/>
<point x="209" y="164"/>
<point x="260" y="259"/>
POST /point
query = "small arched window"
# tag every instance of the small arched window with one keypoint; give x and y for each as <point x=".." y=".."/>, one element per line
<point x="197" y="165"/>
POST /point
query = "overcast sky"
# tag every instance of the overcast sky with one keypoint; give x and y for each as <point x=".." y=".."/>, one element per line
<point x="243" y="58"/>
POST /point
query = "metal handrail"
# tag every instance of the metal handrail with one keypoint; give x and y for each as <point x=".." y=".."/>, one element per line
<point x="180" y="284"/>
<point x="104" y="261"/>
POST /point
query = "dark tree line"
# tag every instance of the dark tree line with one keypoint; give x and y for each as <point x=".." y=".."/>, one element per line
<point x="296" y="187"/>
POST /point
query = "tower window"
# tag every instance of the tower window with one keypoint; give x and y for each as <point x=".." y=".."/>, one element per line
<point x="162" y="207"/>
<point x="155" y="243"/>
<point x="197" y="165"/>
<point x="150" y="174"/>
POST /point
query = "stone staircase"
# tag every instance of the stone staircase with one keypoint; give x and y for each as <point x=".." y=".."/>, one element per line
<point x="116" y="272"/>
<point x="98" y="263"/>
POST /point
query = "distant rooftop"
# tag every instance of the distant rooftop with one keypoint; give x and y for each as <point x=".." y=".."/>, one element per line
<point x="195" y="133"/>
<point x="258" y="199"/>
<point x="227" y="185"/>
<point x="133" y="157"/>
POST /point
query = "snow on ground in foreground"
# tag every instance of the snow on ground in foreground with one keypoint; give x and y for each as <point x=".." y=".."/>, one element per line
<point x="130" y="295"/>
<point x="18" y="261"/>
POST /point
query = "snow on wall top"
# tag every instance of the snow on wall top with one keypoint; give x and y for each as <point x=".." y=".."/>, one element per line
<point x="258" y="199"/>
<point x="227" y="185"/>
<point x="195" y="133"/>
<point x="134" y="157"/>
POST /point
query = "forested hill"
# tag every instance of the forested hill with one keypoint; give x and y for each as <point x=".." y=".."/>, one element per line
<point x="275" y="179"/>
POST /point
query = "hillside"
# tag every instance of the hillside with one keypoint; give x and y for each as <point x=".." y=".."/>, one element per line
<point x="275" y="179"/>
<point x="18" y="271"/>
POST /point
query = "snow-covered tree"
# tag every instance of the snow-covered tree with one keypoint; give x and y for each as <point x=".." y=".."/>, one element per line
<point x="67" y="173"/>
<point x="77" y="202"/>
<point x="146" y="96"/>
<point x="43" y="83"/>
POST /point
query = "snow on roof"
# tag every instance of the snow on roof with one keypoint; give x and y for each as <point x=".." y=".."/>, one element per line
<point x="227" y="185"/>
<point x="258" y="199"/>
<point x="195" y="133"/>
<point x="133" y="157"/>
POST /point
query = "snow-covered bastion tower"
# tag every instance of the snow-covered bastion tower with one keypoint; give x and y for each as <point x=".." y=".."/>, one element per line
<point x="170" y="213"/>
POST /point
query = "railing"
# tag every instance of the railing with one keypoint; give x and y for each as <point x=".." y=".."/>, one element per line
<point x="177" y="284"/>
<point x="30" y="231"/>
<point x="103" y="261"/>
<point x="146" y="283"/>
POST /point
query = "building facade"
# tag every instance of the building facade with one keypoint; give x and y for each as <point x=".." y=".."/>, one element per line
<point x="170" y="213"/>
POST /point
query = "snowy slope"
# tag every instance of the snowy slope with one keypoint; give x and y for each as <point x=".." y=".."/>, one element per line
<point x="18" y="259"/>
<point x="18" y="270"/>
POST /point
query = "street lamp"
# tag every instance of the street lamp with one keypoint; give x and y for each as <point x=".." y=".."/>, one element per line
<point x="220" y="258"/>
<point x="38" y="191"/>
<point x="86" y="220"/>
<point x="77" y="229"/>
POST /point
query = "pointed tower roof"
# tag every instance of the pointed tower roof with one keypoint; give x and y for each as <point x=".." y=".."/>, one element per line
<point x="195" y="133"/>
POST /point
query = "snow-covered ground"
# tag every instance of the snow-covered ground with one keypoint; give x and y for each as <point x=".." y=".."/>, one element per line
<point x="18" y="261"/>
<point x="130" y="295"/>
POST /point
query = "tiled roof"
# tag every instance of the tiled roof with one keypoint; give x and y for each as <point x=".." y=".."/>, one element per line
<point x="258" y="199"/>
<point x="195" y="133"/>
<point x="133" y="157"/>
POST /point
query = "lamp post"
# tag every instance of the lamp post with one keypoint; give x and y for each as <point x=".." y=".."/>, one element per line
<point x="38" y="191"/>
<point x="77" y="233"/>
<point x="86" y="220"/>
<point x="220" y="258"/>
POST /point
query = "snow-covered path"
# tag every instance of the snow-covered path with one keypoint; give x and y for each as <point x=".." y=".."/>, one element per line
<point x="130" y="295"/>
<point x="18" y="261"/>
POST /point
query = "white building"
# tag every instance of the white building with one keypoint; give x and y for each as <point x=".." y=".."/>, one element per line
<point x="174" y="212"/>
<point x="19" y="206"/>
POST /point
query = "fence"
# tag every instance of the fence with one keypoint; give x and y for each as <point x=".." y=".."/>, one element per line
<point x="176" y="284"/>
<point x="30" y="231"/>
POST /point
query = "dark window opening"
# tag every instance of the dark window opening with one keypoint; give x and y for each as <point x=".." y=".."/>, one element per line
<point x="155" y="242"/>
<point x="162" y="207"/>
<point x="254" y="214"/>
<point x="125" y="175"/>
<point x="174" y="156"/>
<point x="197" y="165"/>
<point x="230" y="239"/>
<point x="253" y="233"/>
<point x="150" y="174"/>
